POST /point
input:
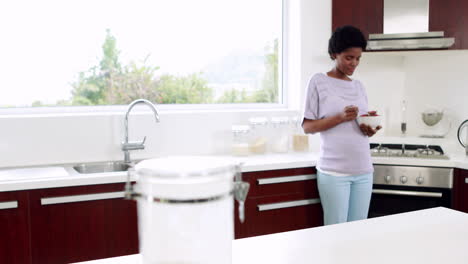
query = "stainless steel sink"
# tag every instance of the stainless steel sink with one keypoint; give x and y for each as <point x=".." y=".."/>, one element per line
<point x="111" y="166"/>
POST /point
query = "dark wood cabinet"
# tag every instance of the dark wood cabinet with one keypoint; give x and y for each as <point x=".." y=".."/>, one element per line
<point x="279" y="201"/>
<point x="73" y="224"/>
<point x="366" y="15"/>
<point x="14" y="228"/>
<point x="82" y="223"/>
<point x="460" y="190"/>
<point x="451" y="17"/>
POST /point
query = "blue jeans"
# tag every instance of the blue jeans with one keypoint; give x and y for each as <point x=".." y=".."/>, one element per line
<point x="344" y="198"/>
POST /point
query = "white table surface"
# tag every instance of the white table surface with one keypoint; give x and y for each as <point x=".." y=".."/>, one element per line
<point x="437" y="235"/>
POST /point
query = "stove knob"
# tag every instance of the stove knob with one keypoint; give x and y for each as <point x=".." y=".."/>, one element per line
<point x="403" y="179"/>
<point x="388" y="179"/>
<point x="419" y="180"/>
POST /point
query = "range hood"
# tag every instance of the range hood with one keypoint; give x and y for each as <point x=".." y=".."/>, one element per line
<point x="402" y="41"/>
<point x="406" y="25"/>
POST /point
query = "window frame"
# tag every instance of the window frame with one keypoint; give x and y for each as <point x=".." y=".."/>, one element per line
<point x="282" y="103"/>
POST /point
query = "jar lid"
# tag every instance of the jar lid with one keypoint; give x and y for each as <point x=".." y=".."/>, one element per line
<point x="184" y="167"/>
<point x="258" y="120"/>
<point x="280" y="120"/>
<point x="186" y="177"/>
<point x="240" y="128"/>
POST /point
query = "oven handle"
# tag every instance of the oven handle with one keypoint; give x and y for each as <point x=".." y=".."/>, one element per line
<point x="408" y="193"/>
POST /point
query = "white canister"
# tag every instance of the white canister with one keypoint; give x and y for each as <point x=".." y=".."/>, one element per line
<point x="280" y="140"/>
<point x="240" y="140"/>
<point x="259" y="135"/>
<point x="185" y="209"/>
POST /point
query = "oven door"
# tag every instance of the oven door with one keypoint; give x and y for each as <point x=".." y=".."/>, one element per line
<point x="390" y="199"/>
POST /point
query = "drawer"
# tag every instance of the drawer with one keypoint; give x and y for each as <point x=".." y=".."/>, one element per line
<point x="280" y="213"/>
<point x="274" y="182"/>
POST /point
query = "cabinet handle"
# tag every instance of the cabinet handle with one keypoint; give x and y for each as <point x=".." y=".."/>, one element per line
<point x="272" y="206"/>
<point x="81" y="198"/>
<point x="287" y="179"/>
<point x="9" y="205"/>
<point x="466" y="180"/>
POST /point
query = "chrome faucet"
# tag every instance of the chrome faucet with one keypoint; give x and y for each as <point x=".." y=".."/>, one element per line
<point x="126" y="145"/>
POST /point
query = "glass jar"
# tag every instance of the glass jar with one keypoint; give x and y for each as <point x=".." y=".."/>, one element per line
<point x="299" y="140"/>
<point x="259" y="135"/>
<point x="240" y="140"/>
<point x="181" y="200"/>
<point x="280" y="134"/>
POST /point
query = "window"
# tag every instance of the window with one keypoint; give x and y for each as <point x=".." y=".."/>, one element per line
<point x="110" y="52"/>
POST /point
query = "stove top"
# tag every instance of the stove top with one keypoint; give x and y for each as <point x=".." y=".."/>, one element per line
<point x="407" y="151"/>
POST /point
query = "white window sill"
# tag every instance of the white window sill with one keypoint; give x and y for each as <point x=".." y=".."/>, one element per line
<point x="121" y="109"/>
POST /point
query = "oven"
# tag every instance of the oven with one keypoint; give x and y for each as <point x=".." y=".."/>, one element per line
<point x="399" y="189"/>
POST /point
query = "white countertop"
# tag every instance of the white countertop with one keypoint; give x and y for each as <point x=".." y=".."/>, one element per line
<point x="55" y="176"/>
<point x="437" y="235"/>
<point x="49" y="177"/>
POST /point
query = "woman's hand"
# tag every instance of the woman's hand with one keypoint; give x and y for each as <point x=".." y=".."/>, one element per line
<point x="368" y="130"/>
<point x="350" y="113"/>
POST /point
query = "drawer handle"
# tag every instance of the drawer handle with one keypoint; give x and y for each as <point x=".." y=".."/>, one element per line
<point x="272" y="206"/>
<point x="9" y="205"/>
<point x="287" y="179"/>
<point x="466" y="180"/>
<point x="81" y="198"/>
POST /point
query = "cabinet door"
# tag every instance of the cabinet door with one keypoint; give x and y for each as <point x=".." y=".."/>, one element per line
<point x="279" y="201"/>
<point x="450" y="16"/>
<point x="14" y="228"/>
<point x="82" y="223"/>
<point x="280" y="213"/>
<point x="367" y="15"/>
<point x="460" y="190"/>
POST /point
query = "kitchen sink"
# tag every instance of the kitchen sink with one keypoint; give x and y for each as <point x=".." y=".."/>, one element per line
<point x="110" y="166"/>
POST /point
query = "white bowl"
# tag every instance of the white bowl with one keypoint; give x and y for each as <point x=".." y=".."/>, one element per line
<point x="372" y="121"/>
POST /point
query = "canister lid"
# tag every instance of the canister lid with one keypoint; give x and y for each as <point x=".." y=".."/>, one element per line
<point x="280" y="120"/>
<point x="240" y="129"/>
<point x="179" y="167"/>
<point x="186" y="177"/>
<point x="258" y="120"/>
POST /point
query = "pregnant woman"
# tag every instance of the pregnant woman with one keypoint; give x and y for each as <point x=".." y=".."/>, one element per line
<point x="333" y="102"/>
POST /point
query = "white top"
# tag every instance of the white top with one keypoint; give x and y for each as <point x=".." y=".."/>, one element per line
<point x="431" y="236"/>
<point x="344" y="149"/>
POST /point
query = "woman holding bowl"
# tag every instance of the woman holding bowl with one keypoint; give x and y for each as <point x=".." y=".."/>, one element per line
<point x="333" y="102"/>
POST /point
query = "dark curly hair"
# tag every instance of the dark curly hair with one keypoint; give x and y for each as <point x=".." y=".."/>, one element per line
<point x="346" y="37"/>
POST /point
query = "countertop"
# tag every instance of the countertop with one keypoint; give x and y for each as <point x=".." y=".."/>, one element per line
<point x="437" y="235"/>
<point x="57" y="176"/>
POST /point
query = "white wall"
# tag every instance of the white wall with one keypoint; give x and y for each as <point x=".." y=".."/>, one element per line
<point x="425" y="80"/>
<point x="437" y="80"/>
<point x="52" y="139"/>
<point x="384" y="79"/>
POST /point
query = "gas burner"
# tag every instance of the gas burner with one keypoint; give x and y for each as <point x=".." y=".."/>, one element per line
<point x="380" y="150"/>
<point x="407" y="151"/>
<point x="427" y="151"/>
